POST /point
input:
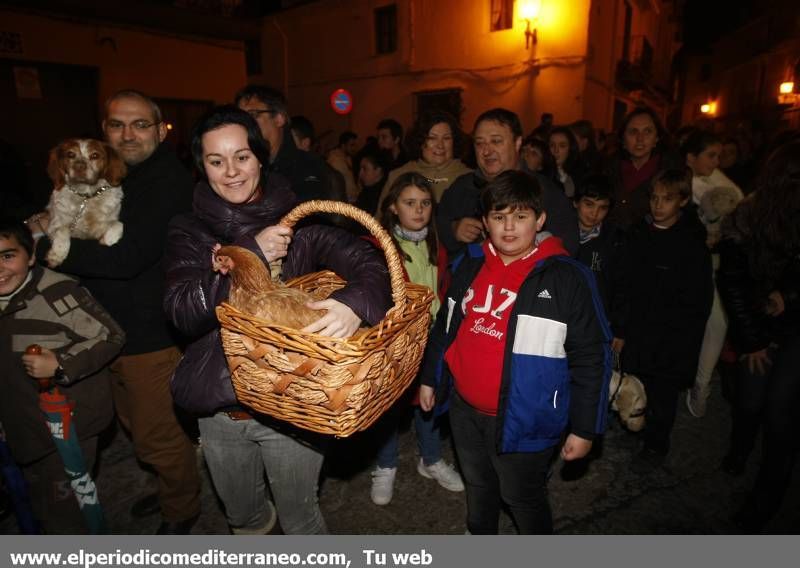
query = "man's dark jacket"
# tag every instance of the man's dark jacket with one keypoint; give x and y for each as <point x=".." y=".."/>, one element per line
<point x="462" y="199"/>
<point x="307" y="172"/>
<point x="202" y="382"/>
<point x="128" y="278"/>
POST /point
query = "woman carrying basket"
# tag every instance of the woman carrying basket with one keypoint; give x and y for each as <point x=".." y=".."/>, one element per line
<point x="238" y="202"/>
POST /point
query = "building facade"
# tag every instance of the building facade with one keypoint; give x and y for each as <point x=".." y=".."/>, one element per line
<point x="573" y="58"/>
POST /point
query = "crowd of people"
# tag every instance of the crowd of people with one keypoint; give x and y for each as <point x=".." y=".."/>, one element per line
<point x="554" y="257"/>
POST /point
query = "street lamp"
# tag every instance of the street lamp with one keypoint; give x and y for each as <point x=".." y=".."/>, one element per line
<point x="529" y="11"/>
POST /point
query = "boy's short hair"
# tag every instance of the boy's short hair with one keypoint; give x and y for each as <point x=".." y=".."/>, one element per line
<point x="17" y="229"/>
<point x="595" y="187"/>
<point x="514" y="189"/>
<point x="676" y="180"/>
<point x="393" y="126"/>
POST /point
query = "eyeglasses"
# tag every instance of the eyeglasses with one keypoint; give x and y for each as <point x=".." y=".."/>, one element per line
<point x="255" y="113"/>
<point x="137" y="125"/>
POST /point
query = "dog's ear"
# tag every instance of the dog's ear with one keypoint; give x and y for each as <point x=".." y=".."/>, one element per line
<point x="115" y="167"/>
<point x="54" y="169"/>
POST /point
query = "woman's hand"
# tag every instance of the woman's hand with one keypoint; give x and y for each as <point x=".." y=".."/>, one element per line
<point x="340" y="321"/>
<point x="427" y="398"/>
<point x="757" y="362"/>
<point x="40" y="366"/>
<point x="274" y="241"/>
<point x="575" y="447"/>
<point x="775" y="304"/>
<point x="617" y="344"/>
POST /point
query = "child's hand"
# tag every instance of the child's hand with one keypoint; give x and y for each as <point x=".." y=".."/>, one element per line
<point x="41" y="366"/>
<point x="575" y="448"/>
<point x="427" y="398"/>
<point x="467" y="229"/>
<point x="775" y="304"/>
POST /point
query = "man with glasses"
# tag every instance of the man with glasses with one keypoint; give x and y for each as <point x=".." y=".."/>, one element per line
<point x="305" y="171"/>
<point x="128" y="281"/>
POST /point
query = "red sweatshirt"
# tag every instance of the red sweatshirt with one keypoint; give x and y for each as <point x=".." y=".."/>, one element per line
<point x="476" y="356"/>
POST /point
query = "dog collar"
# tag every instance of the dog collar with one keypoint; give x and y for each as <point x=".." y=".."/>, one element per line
<point x="100" y="191"/>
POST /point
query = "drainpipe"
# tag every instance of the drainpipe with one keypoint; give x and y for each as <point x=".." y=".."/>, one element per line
<point x="285" y="41"/>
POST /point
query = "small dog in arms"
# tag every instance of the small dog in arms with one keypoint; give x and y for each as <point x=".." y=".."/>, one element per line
<point x="87" y="195"/>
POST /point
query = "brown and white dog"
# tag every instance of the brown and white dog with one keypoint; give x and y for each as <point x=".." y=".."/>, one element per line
<point x="86" y="197"/>
<point x="628" y="399"/>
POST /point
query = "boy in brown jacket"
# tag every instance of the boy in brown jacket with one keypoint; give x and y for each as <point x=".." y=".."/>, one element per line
<point x="78" y="340"/>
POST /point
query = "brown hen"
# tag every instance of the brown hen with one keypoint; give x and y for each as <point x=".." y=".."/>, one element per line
<point x="255" y="293"/>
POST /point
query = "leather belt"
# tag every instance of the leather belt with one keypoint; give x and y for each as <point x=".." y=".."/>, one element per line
<point x="238" y="415"/>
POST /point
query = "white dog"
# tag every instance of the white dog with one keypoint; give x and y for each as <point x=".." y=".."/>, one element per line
<point x="628" y="399"/>
<point x="86" y="197"/>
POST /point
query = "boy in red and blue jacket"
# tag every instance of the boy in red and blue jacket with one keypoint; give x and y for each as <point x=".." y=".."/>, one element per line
<point x="523" y="338"/>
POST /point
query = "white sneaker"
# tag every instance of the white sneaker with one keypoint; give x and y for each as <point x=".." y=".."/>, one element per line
<point x="442" y="472"/>
<point x="382" y="485"/>
<point x="696" y="402"/>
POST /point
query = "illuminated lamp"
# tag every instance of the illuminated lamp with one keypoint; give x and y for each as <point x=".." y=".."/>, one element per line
<point x="786" y="88"/>
<point x="709" y="108"/>
<point x="529" y="11"/>
<point x="169" y="126"/>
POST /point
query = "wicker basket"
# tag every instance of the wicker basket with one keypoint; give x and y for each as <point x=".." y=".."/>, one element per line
<point x="331" y="386"/>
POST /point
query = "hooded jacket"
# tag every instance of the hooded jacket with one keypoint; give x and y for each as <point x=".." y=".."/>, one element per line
<point x="557" y="362"/>
<point x="53" y="311"/>
<point x="201" y="382"/>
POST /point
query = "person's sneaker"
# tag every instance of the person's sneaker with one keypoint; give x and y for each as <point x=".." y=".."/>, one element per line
<point x="382" y="485"/>
<point x="444" y="473"/>
<point x="696" y="402"/>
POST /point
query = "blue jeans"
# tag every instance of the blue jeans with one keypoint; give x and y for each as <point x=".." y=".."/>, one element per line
<point x="429" y="444"/>
<point x="517" y="479"/>
<point x="237" y="453"/>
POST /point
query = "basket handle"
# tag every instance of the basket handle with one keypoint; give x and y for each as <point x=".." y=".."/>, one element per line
<point x="392" y="258"/>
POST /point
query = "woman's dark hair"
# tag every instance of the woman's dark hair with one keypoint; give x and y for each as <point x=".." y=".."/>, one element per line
<point x="12" y="228"/>
<point x="388" y="219"/>
<point x="772" y="213"/>
<point x="514" y="189"/>
<point x="663" y="135"/>
<point x="419" y="133"/>
<point x="697" y="142"/>
<point x="572" y="165"/>
<point x="585" y="129"/>
<point x="222" y="116"/>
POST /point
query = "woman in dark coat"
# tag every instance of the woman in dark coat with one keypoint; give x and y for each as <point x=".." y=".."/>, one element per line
<point x="643" y="153"/>
<point x="239" y="203"/>
<point x="759" y="282"/>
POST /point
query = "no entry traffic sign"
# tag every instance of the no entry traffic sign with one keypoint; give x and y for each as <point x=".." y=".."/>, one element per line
<point x="341" y="101"/>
